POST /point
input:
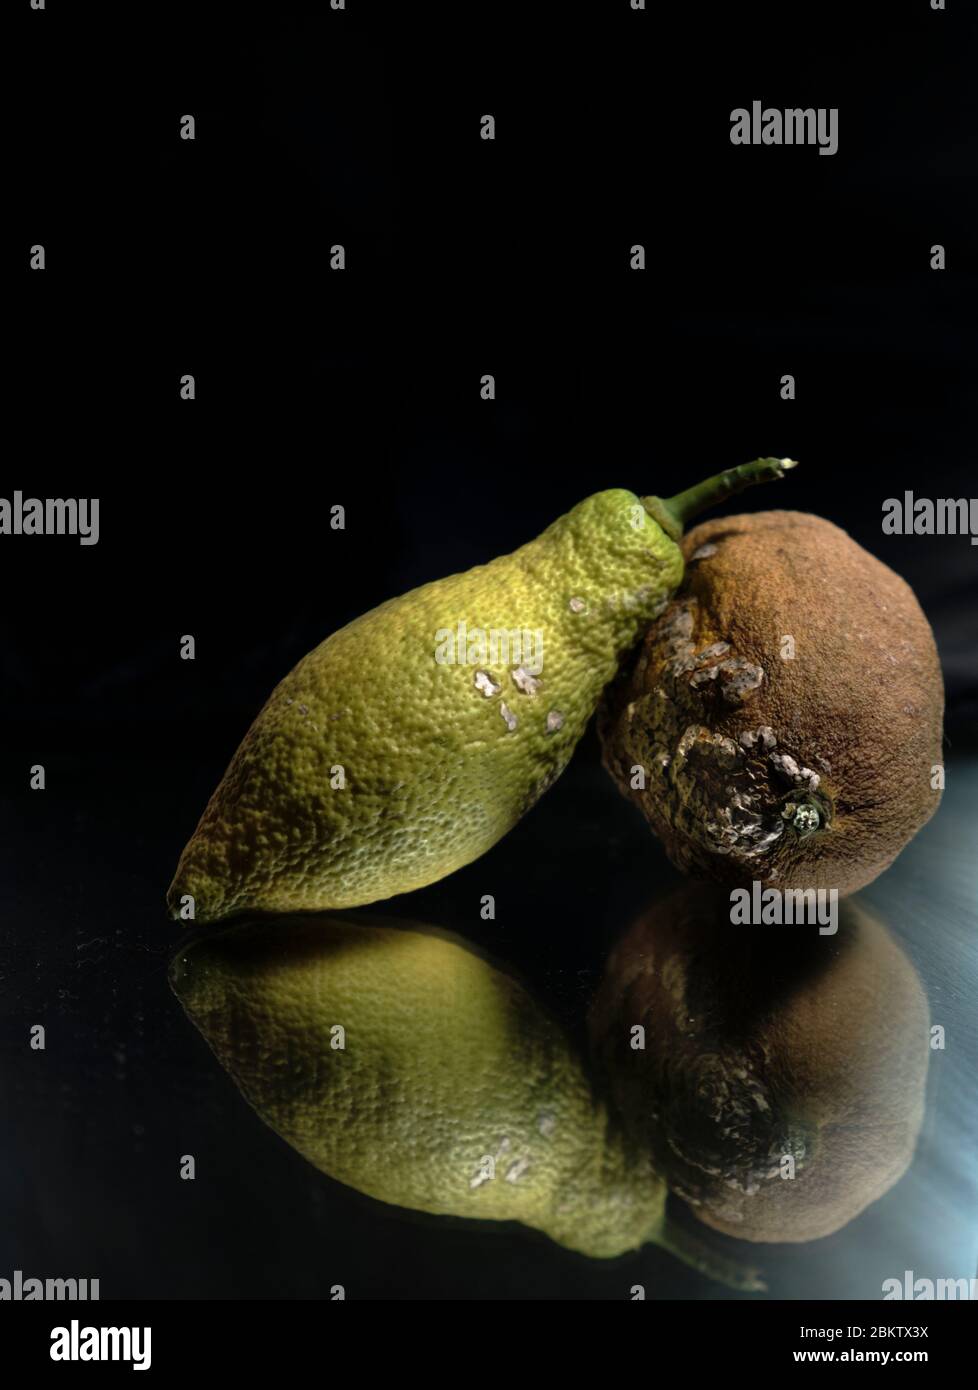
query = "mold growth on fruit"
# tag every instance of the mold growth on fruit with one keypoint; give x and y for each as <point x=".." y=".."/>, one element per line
<point x="801" y="776"/>
<point x="763" y="737"/>
<point x="805" y="819"/>
<point x="739" y="679"/>
<point x="523" y="681"/>
<point x="728" y="793"/>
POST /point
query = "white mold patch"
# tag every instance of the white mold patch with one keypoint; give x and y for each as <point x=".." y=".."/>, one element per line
<point x="762" y="738"/>
<point x="524" y="681"/>
<point x="800" y="776"/>
<point x="484" y="682"/>
<point x="715" y="649"/>
<point x="739" y="679"/>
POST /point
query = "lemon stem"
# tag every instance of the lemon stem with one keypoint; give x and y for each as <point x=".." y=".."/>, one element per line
<point x="701" y="1256"/>
<point x="674" y="513"/>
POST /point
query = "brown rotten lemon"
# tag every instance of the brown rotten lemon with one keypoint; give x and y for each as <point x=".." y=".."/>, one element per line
<point x="780" y="1089"/>
<point x="781" y="721"/>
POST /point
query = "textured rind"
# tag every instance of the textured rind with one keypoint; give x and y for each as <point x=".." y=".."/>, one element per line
<point x="446" y="1061"/>
<point x="760" y="1043"/>
<point x="434" y="775"/>
<point x="860" y="704"/>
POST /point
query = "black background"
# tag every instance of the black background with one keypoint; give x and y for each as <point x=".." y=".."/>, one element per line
<point x="362" y="388"/>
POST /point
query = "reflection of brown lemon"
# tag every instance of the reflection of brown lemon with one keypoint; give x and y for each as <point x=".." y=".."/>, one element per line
<point x="782" y="720"/>
<point x="402" y="1063"/>
<point x="781" y="1085"/>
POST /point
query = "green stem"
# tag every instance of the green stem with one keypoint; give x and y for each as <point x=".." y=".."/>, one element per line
<point x="674" y="513"/>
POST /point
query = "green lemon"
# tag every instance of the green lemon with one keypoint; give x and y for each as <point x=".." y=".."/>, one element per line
<point x="409" y="742"/>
